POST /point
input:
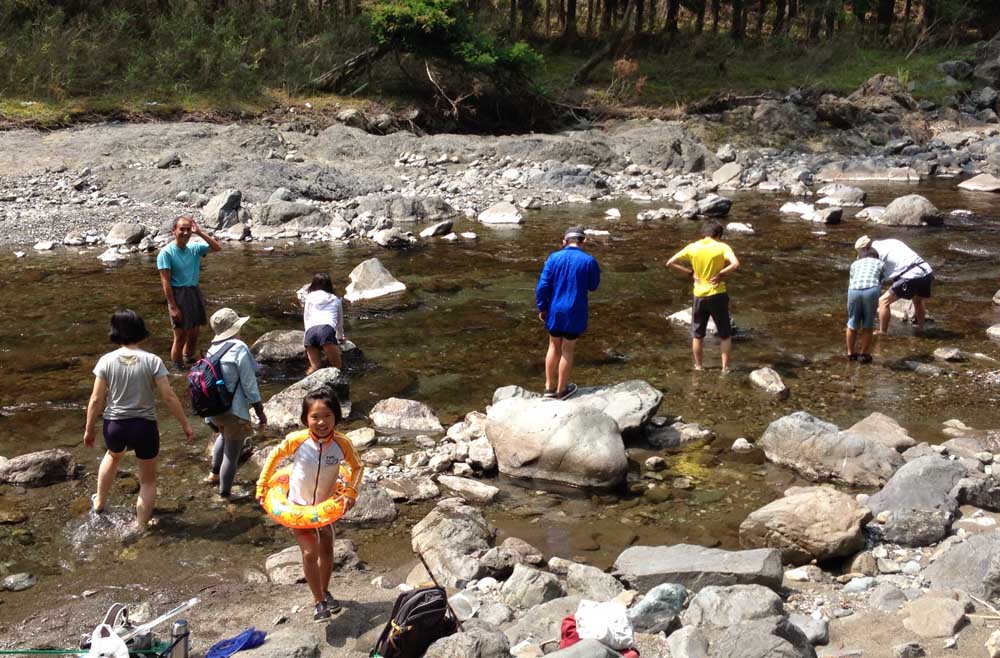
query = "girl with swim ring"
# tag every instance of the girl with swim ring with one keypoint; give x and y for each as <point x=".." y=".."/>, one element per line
<point x="324" y="322"/>
<point x="320" y="456"/>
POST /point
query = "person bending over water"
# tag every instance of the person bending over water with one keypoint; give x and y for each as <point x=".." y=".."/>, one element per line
<point x="910" y="276"/>
<point x="125" y="387"/>
<point x="867" y="273"/>
<point x="324" y="322"/>
<point x="316" y="455"/>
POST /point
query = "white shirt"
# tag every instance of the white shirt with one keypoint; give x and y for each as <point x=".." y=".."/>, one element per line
<point x="323" y="308"/>
<point x="898" y="257"/>
<point x="315" y="470"/>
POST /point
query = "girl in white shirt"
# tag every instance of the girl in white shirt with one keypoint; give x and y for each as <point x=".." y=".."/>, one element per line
<point x="324" y="322"/>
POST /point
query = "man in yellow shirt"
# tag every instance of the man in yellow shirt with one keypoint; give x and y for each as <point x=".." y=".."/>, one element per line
<point x="710" y="261"/>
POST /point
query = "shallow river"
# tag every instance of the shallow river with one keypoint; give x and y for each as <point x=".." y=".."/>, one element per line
<point x="466" y="326"/>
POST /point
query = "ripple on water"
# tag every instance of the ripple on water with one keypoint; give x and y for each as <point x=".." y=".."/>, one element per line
<point x="96" y="535"/>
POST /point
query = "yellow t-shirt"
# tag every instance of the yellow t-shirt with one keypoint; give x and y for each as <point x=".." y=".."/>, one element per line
<point x="707" y="257"/>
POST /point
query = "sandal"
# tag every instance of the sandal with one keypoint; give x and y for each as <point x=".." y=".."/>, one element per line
<point x="570" y="390"/>
<point x="853" y="357"/>
<point x="549" y="394"/>
<point x="865" y="358"/>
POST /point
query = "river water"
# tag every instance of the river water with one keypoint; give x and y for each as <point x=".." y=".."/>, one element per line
<point x="466" y="326"/>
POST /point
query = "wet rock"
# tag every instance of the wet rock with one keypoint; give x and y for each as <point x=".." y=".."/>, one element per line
<point x="556" y="441"/>
<point x="39" y="469"/>
<point x="741" y="445"/>
<point x="477" y="639"/>
<point x="44" y="245"/>
<point x="406" y="415"/>
<point x="902" y="309"/>
<point x="934" y="617"/>
<point x="817" y="631"/>
<point x="951" y="354"/>
<point x="725" y="606"/>
<point x="471" y="490"/>
<point x="393" y="238"/>
<point x="289" y="642"/>
<point x="695" y="567"/>
<point x="434" y="230"/>
<point x="769" y="381"/>
<point x="370" y="279"/>
<point x="631" y="404"/>
<point x="713" y="205"/>
<point x="123" y="233"/>
<point x="836" y="194"/>
<point x="376" y="456"/>
<point x="284" y="410"/>
<point x="591" y="583"/>
<point x="993" y="333"/>
<point x="971" y="566"/>
<point x="677" y="434"/>
<point x="918" y="501"/>
<point x="449" y="538"/>
<point x="981" y="183"/>
<point x="501" y="213"/>
<point x="871" y="214"/>
<point x="19" y="582"/>
<point x="586" y="649"/>
<point x="373" y="507"/>
<point x="528" y="587"/>
<point x="222" y="210"/>
<point x="412" y="488"/>
<point x="911" y="210"/>
<point x="739" y="228"/>
<point x="659" y="608"/>
<point x="882" y="429"/>
<point x="820" y="451"/>
<point x="809" y="523"/>
<point x="774" y="637"/>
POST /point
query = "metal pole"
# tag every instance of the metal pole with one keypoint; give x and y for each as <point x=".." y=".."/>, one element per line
<point x="181" y="639"/>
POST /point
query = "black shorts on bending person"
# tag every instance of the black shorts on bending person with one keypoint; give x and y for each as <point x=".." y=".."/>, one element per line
<point x="555" y="333"/>
<point x="191" y="304"/>
<point x="917" y="287"/>
<point x="320" y="335"/>
<point x="140" y="435"/>
<point x="715" y="307"/>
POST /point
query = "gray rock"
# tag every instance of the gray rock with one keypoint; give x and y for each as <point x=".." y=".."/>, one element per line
<point x="512" y="391"/>
<point x="581" y="179"/>
<point x="526" y="553"/>
<point x="495" y="612"/>
<point x="289" y="642"/>
<point x="836" y="194"/>
<point x="39" y="469"/>
<point x="168" y="160"/>
<point x="440" y="228"/>
<point x="284" y="409"/>
<point x="659" y="608"/>
<point x="630" y="403"/>
<point x="919" y="502"/>
<point x="469" y="489"/>
<point x="713" y="205"/>
<point x="543" y="622"/>
<point x="528" y="587"/>
<point x="449" y="538"/>
<point x="667" y="146"/>
<point x="687" y="642"/>
<point x="725" y="606"/>
<point x="501" y="213"/>
<point x="882" y="429"/>
<point x="401" y="209"/>
<point x="769" y="381"/>
<point x="677" y="434"/>
<point x="405" y="415"/>
<point x="477" y="639"/>
<point x="125" y="233"/>
<point x="373" y="507"/>
<point x="981" y="183"/>
<point x="695" y="567"/>
<point x="887" y="598"/>
<point x="934" y="616"/>
<point x="18" y="582"/>
<point x="774" y="637"/>
<point x="959" y="70"/>
<point x="911" y="210"/>
<point x="556" y="441"/>
<point x="981" y="492"/>
<point x="591" y="583"/>
<point x="222" y="210"/>
<point x="281" y="194"/>
<point x="285" y="566"/>
<point x="370" y="279"/>
<point x="817" y="631"/>
<point x="414" y="488"/>
<point x="859" y="584"/>
<point x="971" y="566"/>
<point x="819" y="451"/>
<point x="908" y="650"/>
<point x="585" y="649"/>
<point x="277" y="213"/>
<point x="728" y="173"/>
<point x="393" y="238"/>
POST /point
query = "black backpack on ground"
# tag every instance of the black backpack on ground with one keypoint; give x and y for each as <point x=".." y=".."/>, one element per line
<point x="419" y="618"/>
<point x="209" y="395"/>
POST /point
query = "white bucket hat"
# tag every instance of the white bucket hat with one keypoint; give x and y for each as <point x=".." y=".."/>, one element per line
<point x="226" y="324"/>
<point x="862" y="242"/>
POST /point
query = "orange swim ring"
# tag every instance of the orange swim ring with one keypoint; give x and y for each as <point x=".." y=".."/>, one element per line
<point x="307" y="517"/>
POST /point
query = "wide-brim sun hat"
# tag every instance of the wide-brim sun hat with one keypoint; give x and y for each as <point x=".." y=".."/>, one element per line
<point x="862" y="242"/>
<point x="226" y="323"/>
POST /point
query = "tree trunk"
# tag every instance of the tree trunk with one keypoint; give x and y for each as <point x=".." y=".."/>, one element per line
<point x="673" y="11"/>
<point x="715" y="15"/>
<point x="833" y="8"/>
<point x="607" y="14"/>
<point x="761" y="13"/>
<point x="778" y="26"/>
<point x="561" y="14"/>
<point x="548" y="18"/>
<point x="930" y="14"/>
<point x="512" y="19"/>
<point x="640" y="14"/>
<point x="736" y="28"/>
<point x="569" y="33"/>
<point x="583" y="74"/>
<point x="886" y="11"/>
<point x="590" y="18"/>
<point x="815" y="21"/>
<point x="793" y="12"/>
<point x="651" y="13"/>
<point x="699" y="19"/>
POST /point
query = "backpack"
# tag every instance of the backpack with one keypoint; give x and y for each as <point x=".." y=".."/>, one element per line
<point x="209" y="395"/>
<point x="419" y="618"/>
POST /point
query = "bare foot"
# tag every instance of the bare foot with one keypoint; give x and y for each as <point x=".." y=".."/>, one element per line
<point x="211" y="478"/>
<point x="310" y="370"/>
<point x="698" y="368"/>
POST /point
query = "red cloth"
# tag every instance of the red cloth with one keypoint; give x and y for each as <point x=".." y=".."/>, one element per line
<point x="568" y="637"/>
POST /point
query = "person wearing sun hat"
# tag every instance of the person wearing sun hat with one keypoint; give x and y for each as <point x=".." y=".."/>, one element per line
<point x="239" y="370"/>
<point x="561" y="298"/>
<point x="863" y="287"/>
<point x="909" y="275"/>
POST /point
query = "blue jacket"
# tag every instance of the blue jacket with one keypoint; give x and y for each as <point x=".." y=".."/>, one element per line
<point x="562" y="289"/>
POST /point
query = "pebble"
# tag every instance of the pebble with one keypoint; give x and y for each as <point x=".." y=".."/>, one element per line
<point x="656" y="463"/>
<point x="19" y="582"/>
<point x="742" y="445"/>
<point x="908" y="650"/>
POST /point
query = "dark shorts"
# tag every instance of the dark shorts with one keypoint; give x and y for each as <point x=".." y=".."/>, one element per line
<point x="192" y="306"/>
<point x="140" y="435"/>
<point x="562" y="334"/>
<point x="715" y="307"/>
<point x="320" y="335"/>
<point x="910" y="288"/>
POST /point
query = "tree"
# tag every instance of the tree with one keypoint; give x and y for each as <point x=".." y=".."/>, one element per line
<point x="778" y="26"/>
<point x="569" y="34"/>
<point x="673" y="11"/>
<point x="886" y="12"/>
<point x="736" y="29"/>
<point x="715" y="15"/>
<point x="761" y="12"/>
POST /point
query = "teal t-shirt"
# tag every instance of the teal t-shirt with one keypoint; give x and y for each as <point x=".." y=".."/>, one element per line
<point x="184" y="264"/>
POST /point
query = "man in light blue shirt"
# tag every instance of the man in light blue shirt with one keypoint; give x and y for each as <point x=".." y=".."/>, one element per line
<point x="179" y="264"/>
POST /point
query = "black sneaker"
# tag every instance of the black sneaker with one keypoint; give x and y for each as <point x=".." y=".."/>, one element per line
<point x="332" y="604"/>
<point x="570" y="390"/>
<point x="322" y="612"/>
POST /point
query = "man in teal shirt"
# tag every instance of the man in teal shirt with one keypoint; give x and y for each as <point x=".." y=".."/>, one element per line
<point x="179" y="264"/>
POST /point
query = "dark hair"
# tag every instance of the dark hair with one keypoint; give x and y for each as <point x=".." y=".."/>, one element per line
<point x="173" y="227"/>
<point x="127" y="328"/>
<point x="712" y="229"/>
<point x="325" y="395"/>
<point x="321" y="281"/>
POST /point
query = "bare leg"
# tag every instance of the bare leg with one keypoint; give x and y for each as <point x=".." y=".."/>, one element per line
<point x="851" y="335"/>
<point x="552" y="358"/>
<point x="884" y="314"/>
<point x="566" y="364"/>
<point x="866" y="341"/>
<point x="313" y="354"/>
<point x="147" y="491"/>
<point x="325" y="561"/>
<point x="332" y="353"/>
<point x="177" y="348"/>
<point x="919" y="312"/>
<point x="309" y="544"/>
<point x="696" y="349"/>
<point x="106" y="475"/>
<point x="726" y="348"/>
<point x="191" y="344"/>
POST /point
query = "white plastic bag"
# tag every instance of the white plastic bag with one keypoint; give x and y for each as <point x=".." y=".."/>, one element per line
<point x="605" y="622"/>
<point x="105" y="643"/>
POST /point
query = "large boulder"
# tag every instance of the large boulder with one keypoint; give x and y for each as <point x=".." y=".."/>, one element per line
<point x="809" y="523"/>
<point x="277" y="213"/>
<point x="916" y="507"/>
<point x="911" y="210"/>
<point x="728" y="605"/>
<point x="501" y="213"/>
<point x="695" y="567"/>
<point x="631" y="404"/>
<point x="773" y="637"/>
<point x="882" y="429"/>
<point x="571" y="178"/>
<point x="405" y="415"/>
<point x="369" y="280"/>
<point x="820" y="451"/>
<point x="557" y="441"/>
<point x="38" y="469"/>
<point x="373" y="507"/>
<point x="981" y="183"/>
<point x="125" y="233"/>
<point x="659" y="608"/>
<point x="477" y="639"/>
<point x="222" y="210"/>
<point x="287" y="346"/>
<point x="543" y="622"/>
<point x="591" y="583"/>
<point x="971" y="566"/>
<point x="865" y="170"/>
<point x="450" y="539"/>
<point x="528" y="587"/>
<point x="404" y="209"/>
<point x="284" y="409"/>
<point x="662" y="145"/>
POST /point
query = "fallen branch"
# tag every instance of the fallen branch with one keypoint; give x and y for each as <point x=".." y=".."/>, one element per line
<point x="454" y="103"/>
<point x="985" y="603"/>
<point x="583" y="73"/>
<point x="337" y="78"/>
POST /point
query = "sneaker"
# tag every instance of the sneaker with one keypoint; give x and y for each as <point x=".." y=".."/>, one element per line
<point x="93" y="505"/>
<point x="332" y="604"/>
<point x="570" y="390"/>
<point x="322" y="612"/>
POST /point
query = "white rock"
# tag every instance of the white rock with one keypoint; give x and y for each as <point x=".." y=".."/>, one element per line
<point x="739" y="227"/>
<point x="613" y="213"/>
<point x="45" y="245"/>
<point x="501" y="213"/>
<point x="797" y="208"/>
<point x="370" y="279"/>
<point x="469" y="235"/>
<point x="742" y="445"/>
<point x="981" y="183"/>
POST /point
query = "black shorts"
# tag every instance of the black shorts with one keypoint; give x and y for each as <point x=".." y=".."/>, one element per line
<point x="140" y="435"/>
<point x="910" y="288"/>
<point x="191" y="304"/>
<point x="320" y="335"/>
<point x="715" y="307"/>
<point x="562" y="334"/>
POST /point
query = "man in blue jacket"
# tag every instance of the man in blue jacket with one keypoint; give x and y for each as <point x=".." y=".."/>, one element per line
<point x="561" y="297"/>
